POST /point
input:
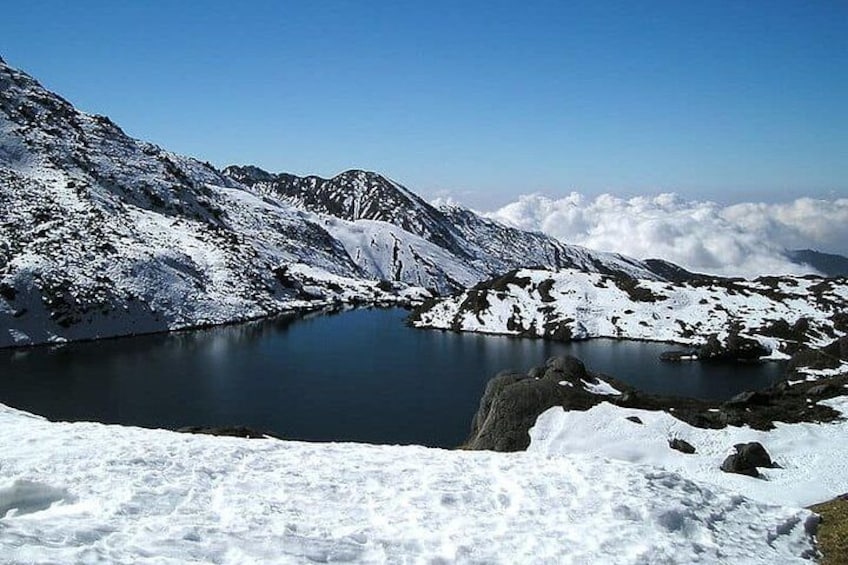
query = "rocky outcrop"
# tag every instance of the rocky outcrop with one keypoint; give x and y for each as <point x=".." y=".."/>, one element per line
<point x="747" y="459"/>
<point x="733" y="348"/>
<point x="681" y="445"/>
<point x="829" y="357"/>
<point x="513" y="401"/>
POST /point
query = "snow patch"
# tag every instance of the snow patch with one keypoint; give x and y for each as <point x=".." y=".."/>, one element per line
<point x="601" y="387"/>
<point x="812" y="456"/>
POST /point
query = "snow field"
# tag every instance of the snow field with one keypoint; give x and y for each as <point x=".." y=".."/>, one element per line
<point x="812" y="456"/>
<point x="129" y="495"/>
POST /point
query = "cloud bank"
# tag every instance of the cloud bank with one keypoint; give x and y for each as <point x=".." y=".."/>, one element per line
<point x="747" y="239"/>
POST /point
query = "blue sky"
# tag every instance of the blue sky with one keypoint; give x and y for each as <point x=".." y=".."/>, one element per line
<point x="484" y="100"/>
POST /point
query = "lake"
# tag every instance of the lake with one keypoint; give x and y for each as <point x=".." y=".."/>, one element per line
<point x="360" y="375"/>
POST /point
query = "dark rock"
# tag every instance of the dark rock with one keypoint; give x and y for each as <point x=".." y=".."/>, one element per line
<point x="819" y="390"/>
<point x="811" y="524"/>
<point x="512" y="402"/>
<point x="386" y="286"/>
<point x="513" y="406"/>
<point x="749" y="398"/>
<point x="635" y="419"/>
<point x="816" y="359"/>
<point x="734" y="464"/>
<point x="840" y="321"/>
<point x="736" y="348"/>
<point x="792" y="335"/>
<point x="755" y="453"/>
<point x="637" y="293"/>
<point x="545" y="290"/>
<point x="629" y="398"/>
<point x="229" y="431"/>
<point x="536" y="373"/>
<point x="475" y="302"/>
<point x="571" y="366"/>
<point x="8" y="292"/>
<point x="838" y="348"/>
<point x="747" y="458"/>
<point x="558" y="330"/>
<point x="681" y="445"/>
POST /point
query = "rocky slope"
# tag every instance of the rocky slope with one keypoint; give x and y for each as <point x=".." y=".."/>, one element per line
<point x="513" y="401"/>
<point x="102" y="234"/>
<point x="724" y="319"/>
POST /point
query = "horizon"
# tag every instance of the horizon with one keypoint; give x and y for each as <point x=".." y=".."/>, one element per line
<point x="480" y="102"/>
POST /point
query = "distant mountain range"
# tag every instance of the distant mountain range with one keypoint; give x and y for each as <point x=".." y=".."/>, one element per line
<point x="104" y="235"/>
<point x="828" y="264"/>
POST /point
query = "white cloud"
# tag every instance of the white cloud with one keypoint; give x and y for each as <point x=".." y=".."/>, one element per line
<point x="745" y="239"/>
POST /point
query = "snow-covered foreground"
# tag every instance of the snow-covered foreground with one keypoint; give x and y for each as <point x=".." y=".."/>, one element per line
<point x="89" y="492"/>
<point x="812" y="456"/>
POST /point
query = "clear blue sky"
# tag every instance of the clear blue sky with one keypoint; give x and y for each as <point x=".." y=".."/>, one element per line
<point x="722" y="100"/>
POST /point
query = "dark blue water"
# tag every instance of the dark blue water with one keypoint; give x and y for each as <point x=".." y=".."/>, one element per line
<point x="360" y="375"/>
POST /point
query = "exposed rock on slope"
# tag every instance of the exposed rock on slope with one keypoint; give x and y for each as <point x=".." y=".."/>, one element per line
<point x="730" y="318"/>
<point x="513" y="402"/>
<point x="747" y="458"/>
<point x="355" y="195"/>
<point x="470" y="245"/>
<point x="386" y="229"/>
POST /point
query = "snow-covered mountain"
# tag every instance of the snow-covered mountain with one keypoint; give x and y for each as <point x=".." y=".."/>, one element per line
<point x="355" y="195"/>
<point x="724" y="317"/>
<point x="102" y="234"/>
<point x="471" y="247"/>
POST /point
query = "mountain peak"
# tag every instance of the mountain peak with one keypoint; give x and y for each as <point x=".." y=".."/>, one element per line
<point x="248" y="174"/>
<point x="359" y="174"/>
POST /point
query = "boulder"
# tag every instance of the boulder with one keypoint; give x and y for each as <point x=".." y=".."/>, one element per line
<point x="568" y="365"/>
<point x="509" y="410"/>
<point x="512" y="402"/>
<point x="747" y="458"/>
<point x="748" y="398"/>
<point x="681" y="445"/>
